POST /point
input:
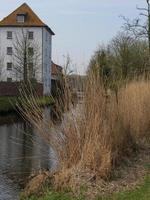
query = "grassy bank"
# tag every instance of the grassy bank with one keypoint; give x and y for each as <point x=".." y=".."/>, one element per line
<point x="8" y="104"/>
<point x="142" y="192"/>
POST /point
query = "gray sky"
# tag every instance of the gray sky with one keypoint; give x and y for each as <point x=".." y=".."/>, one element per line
<point x="80" y="25"/>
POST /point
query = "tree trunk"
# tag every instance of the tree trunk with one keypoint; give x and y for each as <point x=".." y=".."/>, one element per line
<point x="25" y="70"/>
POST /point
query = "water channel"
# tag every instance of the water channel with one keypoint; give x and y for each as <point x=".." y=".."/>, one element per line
<point x="22" y="153"/>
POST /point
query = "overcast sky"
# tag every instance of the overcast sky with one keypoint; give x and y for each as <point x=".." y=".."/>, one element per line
<point x="80" y="25"/>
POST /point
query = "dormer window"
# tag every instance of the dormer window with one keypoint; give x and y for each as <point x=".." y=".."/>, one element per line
<point x="21" y="18"/>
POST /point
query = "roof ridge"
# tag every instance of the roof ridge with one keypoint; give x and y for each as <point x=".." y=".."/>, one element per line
<point x="24" y="4"/>
<point x="14" y="11"/>
<point x="31" y="20"/>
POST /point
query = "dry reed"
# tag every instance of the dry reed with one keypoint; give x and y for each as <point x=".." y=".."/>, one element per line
<point x="95" y="135"/>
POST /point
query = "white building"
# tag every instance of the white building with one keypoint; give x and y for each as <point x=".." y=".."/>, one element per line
<point x="23" y="22"/>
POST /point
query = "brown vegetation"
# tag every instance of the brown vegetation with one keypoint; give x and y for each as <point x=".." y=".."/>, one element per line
<point x="96" y="135"/>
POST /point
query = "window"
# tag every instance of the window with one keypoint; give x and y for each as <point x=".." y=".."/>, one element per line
<point x="9" y="79"/>
<point x="20" y="18"/>
<point x="30" y="35"/>
<point x="9" y="50"/>
<point x="9" y="34"/>
<point x="30" y="51"/>
<point x="9" y="66"/>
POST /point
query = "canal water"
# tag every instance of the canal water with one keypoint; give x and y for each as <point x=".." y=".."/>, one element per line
<point x="22" y="153"/>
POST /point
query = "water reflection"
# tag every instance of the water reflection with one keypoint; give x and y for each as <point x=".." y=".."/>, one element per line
<point x="22" y="152"/>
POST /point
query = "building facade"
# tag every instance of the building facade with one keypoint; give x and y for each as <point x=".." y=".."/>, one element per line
<point x="25" y="48"/>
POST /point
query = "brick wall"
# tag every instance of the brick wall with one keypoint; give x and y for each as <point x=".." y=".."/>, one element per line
<point x="12" y="88"/>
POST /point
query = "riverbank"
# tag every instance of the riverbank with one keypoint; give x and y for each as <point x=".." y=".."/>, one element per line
<point x="129" y="181"/>
<point x="141" y="192"/>
<point x="102" y="148"/>
<point x="8" y="103"/>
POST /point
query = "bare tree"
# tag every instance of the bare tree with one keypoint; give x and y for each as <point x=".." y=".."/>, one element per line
<point x="129" y="55"/>
<point x="138" y="27"/>
<point x="121" y="47"/>
<point x="123" y="57"/>
<point x="67" y="65"/>
<point x="26" y="58"/>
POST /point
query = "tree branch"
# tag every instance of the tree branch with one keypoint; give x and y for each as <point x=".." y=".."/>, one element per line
<point x="143" y="9"/>
<point x="142" y="14"/>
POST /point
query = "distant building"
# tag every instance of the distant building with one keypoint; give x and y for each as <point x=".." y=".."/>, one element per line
<point x="56" y="74"/>
<point x="56" y="71"/>
<point x="23" y="19"/>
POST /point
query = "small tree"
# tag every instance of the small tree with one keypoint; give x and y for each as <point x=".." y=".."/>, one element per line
<point x="129" y="55"/>
<point x="121" y="49"/>
<point x="124" y="57"/>
<point x="137" y="27"/>
<point x="100" y="64"/>
<point x="26" y="57"/>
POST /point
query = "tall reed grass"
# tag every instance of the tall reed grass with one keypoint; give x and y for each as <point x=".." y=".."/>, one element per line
<point x="97" y="134"/>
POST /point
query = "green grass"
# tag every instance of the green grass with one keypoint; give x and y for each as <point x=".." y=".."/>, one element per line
<point x="56" y="196"/>
<point x="7" y="104"/>
<point x="140" y="193"/>
<point x="45" y="101"/>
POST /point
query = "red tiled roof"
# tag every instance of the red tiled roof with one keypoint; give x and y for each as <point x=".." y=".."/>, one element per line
<point x="32" y="20"/>
<point x="56" y="69"/>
